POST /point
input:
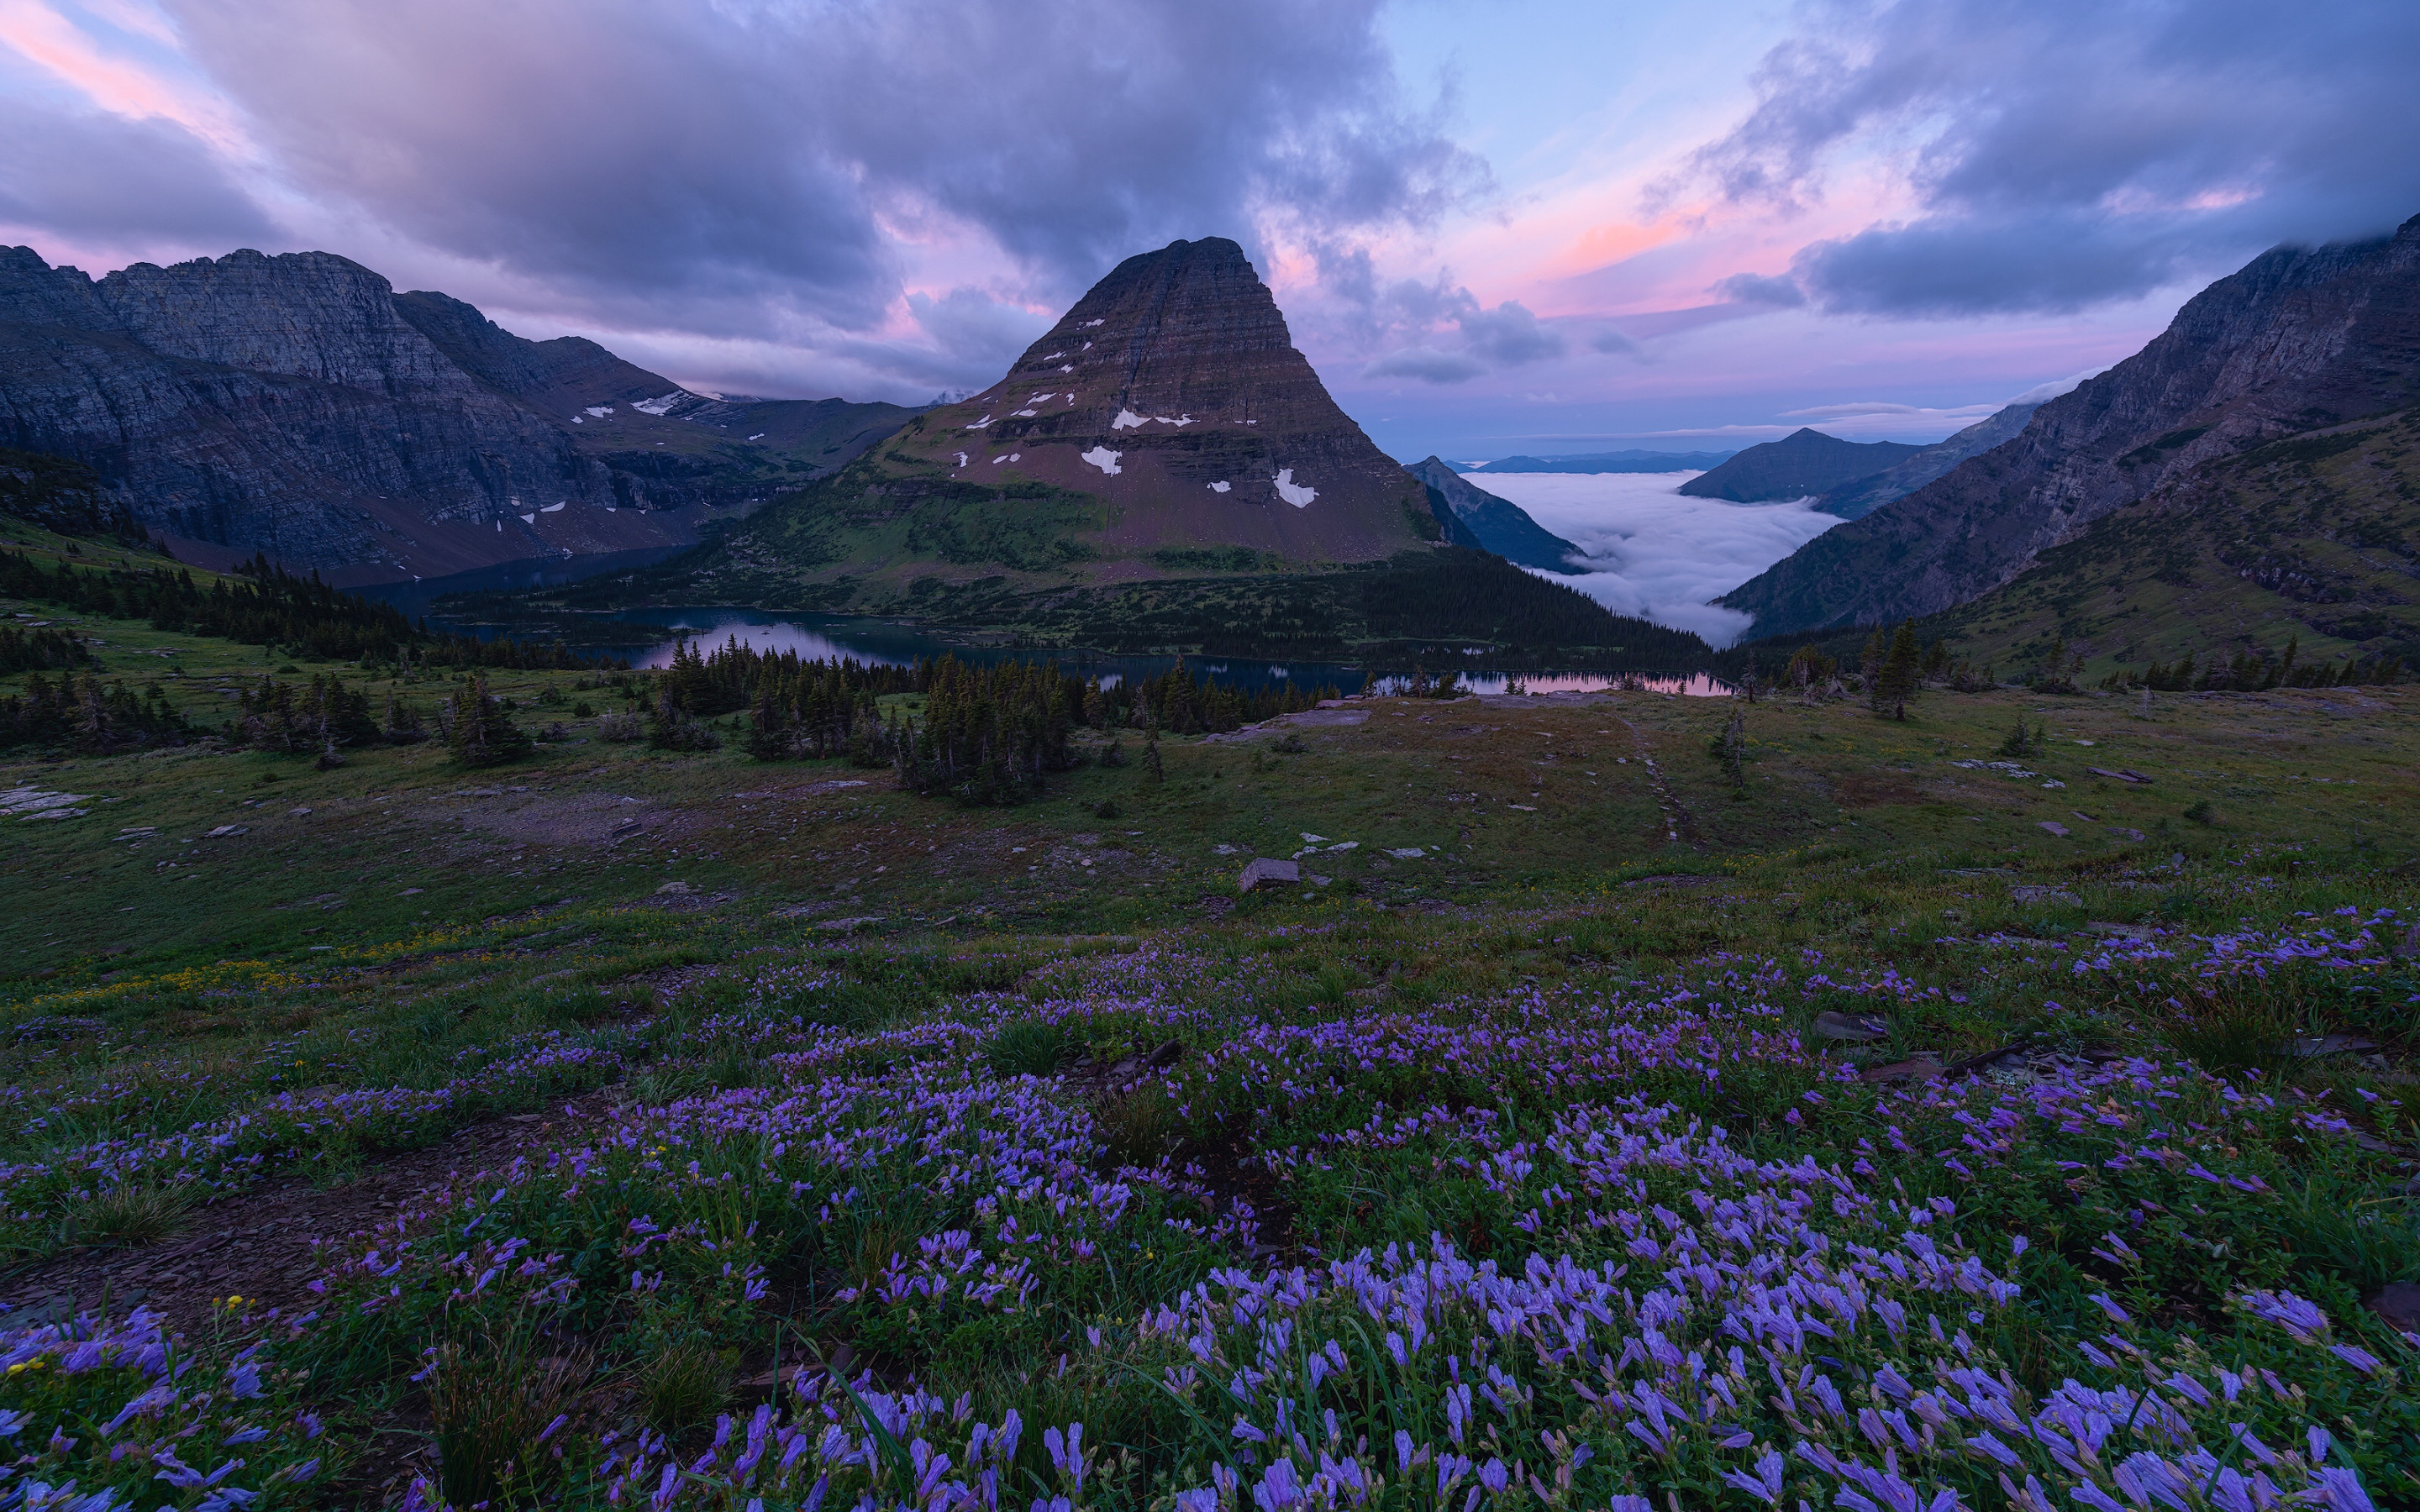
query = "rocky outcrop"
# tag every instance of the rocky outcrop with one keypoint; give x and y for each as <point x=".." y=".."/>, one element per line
<point x="1491" y="524"/>
<point x="1802" y="463"/>
<point x="2301" y="339"/>
<point x="296" y="406"/>
<point x="63" y="497"/>
<point x="1856" y="499"/>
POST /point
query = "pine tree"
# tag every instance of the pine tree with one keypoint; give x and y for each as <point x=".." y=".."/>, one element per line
<point x="1899" y="674"/>
<point x="2019" y="740"/>
<point x="1151" y="750"/>
<point x="1734" y="753"/>
<point x="479" y="732"/>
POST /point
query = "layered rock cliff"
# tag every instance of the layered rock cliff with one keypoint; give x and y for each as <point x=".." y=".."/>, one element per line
<point x="2303" y="338"/>
<point x="297" y="406"/>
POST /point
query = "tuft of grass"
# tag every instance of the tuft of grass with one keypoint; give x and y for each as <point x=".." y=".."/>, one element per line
<point x="683" y="1385"/>
<point x="130" y="1215"/>
<point x="1029" y="1048"/>
<point x="495" y="1400"/>
<point x="2236" y="1038"/>
<point x="1139" y="1127"/>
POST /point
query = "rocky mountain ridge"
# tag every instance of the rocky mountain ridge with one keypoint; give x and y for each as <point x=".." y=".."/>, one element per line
<point x="2301" y="339"/>
<point x="1861" y="496"/>
<point x="1490" y="523"/>
<point x="297" y="406"/>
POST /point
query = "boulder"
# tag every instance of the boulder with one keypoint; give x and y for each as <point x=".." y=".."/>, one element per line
<point x="1264" y="873"/>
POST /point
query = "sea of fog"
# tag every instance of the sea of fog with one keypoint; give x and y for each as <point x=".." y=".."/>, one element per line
<point x="1653" y="553"/>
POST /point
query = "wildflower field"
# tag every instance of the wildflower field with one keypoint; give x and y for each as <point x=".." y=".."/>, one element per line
<point x="1619" y="1115"/>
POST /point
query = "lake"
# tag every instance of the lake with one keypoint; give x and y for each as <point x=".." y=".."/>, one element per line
<point x="657" y="632"/>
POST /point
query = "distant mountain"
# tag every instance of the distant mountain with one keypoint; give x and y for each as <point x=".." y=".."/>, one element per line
<point x="2301" y="339"/>
<point x="1493" y="524"/>
<point x="1162" y="468"/>
<point x="1862" y="496"/>
<point x="1801" y="463"/>
<point x="1631" y="461"/>
<point x="298" y="405"/>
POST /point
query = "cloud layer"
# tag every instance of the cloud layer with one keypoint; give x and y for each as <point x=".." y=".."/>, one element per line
<point x="1658" y="555"/>
<point x="2066" y="153"/>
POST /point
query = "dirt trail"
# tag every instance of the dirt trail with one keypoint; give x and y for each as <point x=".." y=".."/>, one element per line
<point x="259" y="1244"/>
<point x="1680" y="825"/>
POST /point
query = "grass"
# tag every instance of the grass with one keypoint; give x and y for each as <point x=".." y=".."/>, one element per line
<point x="818" y="1106"/>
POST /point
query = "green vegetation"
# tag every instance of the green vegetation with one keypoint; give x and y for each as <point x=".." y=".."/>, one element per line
<point x="517" y="1135"/>
<point x="2290" y="563"/>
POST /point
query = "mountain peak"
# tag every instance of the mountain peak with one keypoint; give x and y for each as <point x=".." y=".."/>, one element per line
<point x="1173" y="393"/>
<point x="1805" y="462"/>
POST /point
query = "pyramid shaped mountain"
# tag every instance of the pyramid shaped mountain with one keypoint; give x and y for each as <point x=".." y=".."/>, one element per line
<point x="1174" y="394"/>
<point x="1163" y="470"/>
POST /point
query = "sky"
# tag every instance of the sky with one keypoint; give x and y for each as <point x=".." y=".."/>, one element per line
<point x="1526" y="227"/>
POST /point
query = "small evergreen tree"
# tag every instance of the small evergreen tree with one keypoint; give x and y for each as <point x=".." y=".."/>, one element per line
<point x="1900" y="676"/>
<point x="479" y="732"/>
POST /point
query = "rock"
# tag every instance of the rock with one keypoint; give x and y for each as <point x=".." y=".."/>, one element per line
<point x="675" y="890"/>
<point x="2122" y="775"/>
<point x="2123" y="832"/>
<point x="1902" y="1071"/>
<point x="848" y="926"/>
<point x="2398" y="1305"/>
<point x="2054" y="828"/>
<point x="2036" y="893"/>
<point x="1264" y="871"/>
<point x="1855" y="1030"/>
<point x="2312" y="1045"/>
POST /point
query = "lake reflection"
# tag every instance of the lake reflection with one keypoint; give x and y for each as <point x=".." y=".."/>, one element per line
<point x="887" y="643"/>
<point x="891" y="642"/>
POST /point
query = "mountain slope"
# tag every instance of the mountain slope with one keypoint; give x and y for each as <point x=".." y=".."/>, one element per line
<point x="297" y="406"/>
<point x="2302" y="339"/>
<point x="1863" y="496"/>
<point x="1801" y="463"/>
<point x="1161" y="469"/>
<point x="1494" y="524"/>
<point x="2314" y="540"/>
